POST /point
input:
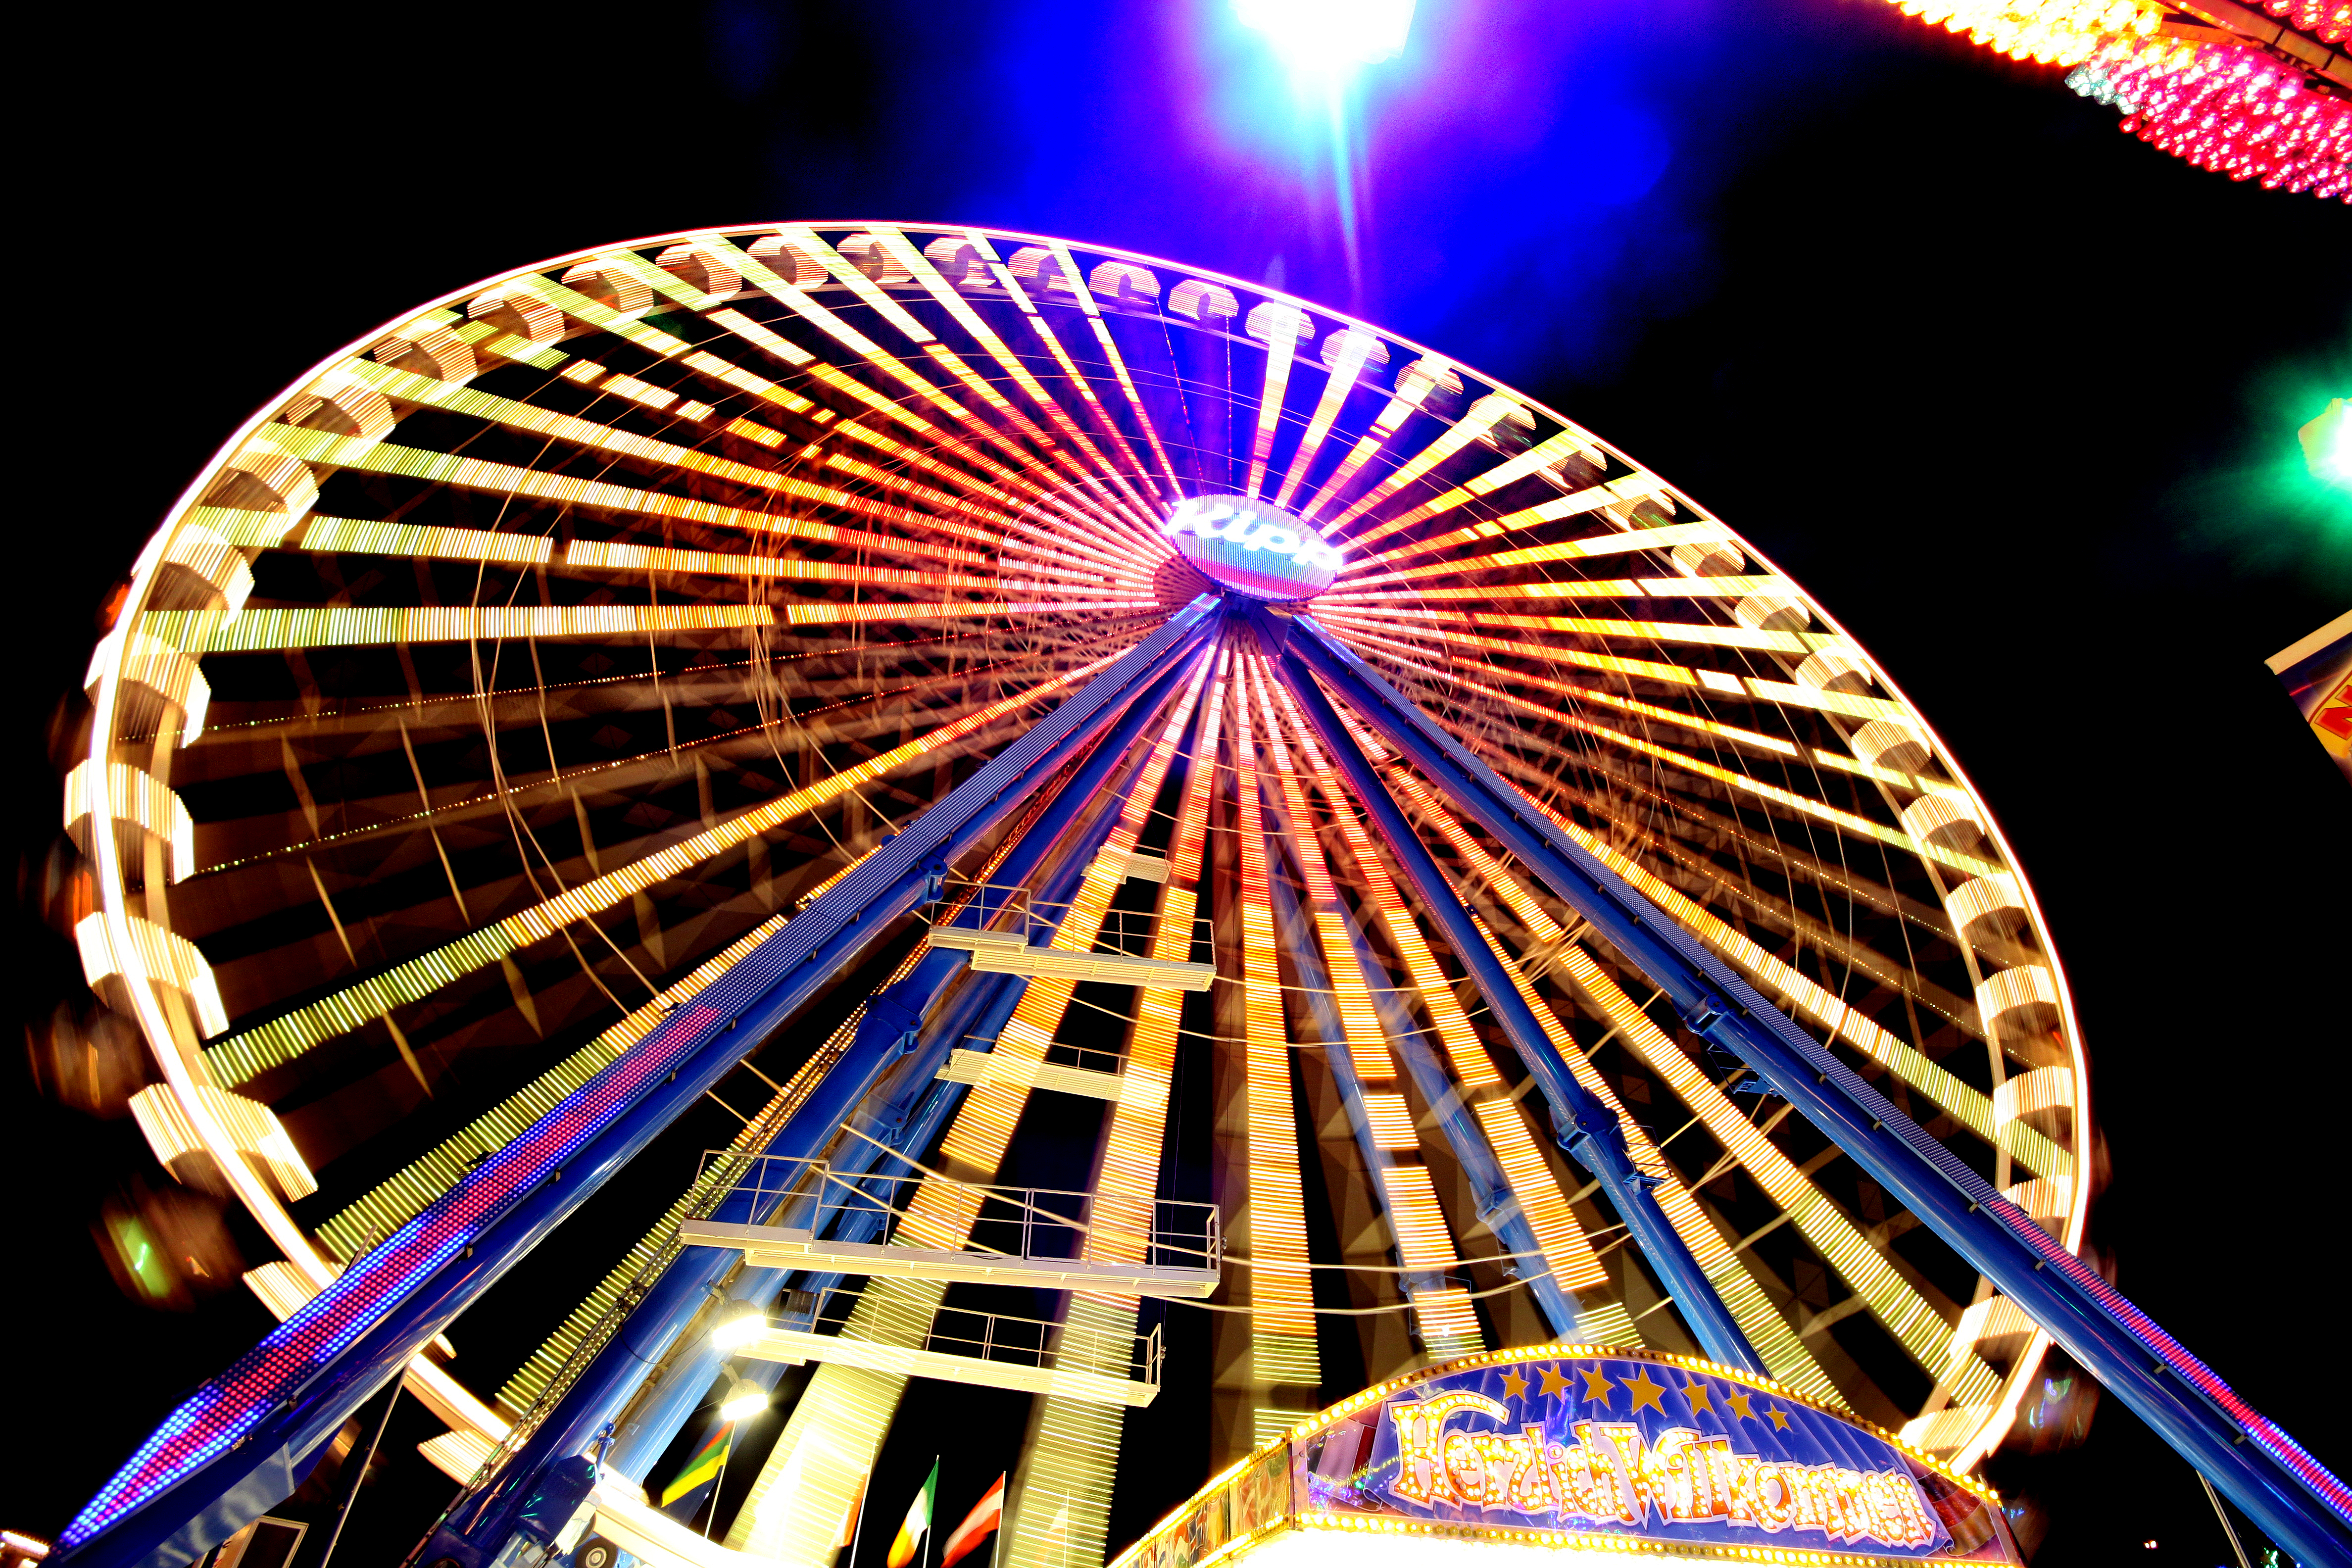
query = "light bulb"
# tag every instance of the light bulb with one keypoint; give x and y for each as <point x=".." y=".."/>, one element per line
<point x="747" y="1399"/>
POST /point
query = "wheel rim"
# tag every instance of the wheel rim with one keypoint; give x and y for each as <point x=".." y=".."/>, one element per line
<point x="710" y="522"/>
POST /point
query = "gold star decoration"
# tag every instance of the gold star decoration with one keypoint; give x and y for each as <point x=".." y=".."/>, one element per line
<point x="1515" y="1382"/>
<point x="1644" y="1392"/>
<point x="1698" y="1394"/>
<point x="1596" y="1383"/>
<point x="1739" y="1406"/>
<point x="1780" y="1419"/>
<point x="1555" y="1386"/>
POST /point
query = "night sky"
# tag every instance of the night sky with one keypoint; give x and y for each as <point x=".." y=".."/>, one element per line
<point x="2014" y="395"/>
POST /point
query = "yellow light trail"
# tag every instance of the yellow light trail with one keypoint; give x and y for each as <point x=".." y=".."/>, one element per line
<point x="1117" y="363"/>
<point x="1784" y="1354"/>
<point x="1559" y="448"/>
<point x="1566" y="1249"/>
<point x="1281" y="346"/>
<point x="506" y="478"/>
<point x="281" y="1039"/>
<point x="1480" y="418"/>
<point x="1594" y="498"/>
<point x="1356" y="346"/>
<point x="256" y="631"/>
<point x="1449" y="1324"/>
<point x="1577" y="588"/>
<point x="1282" y="1296"/>
<point x="1401" y="403"/>
<point x="1664" y="536"/>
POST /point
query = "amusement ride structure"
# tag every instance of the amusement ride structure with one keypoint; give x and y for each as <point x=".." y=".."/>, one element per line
<point x="917" y="677"/>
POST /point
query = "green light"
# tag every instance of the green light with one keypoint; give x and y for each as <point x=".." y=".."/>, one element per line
<point x="2328" y="445"/>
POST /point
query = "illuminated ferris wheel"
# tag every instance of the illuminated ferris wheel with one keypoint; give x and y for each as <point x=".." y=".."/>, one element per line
<point x="904" y="677"/>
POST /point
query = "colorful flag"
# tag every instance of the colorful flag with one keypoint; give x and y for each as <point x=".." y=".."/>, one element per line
<point x="917" y="1521"/>
<point x="985" y="1516"/>
<point x="849" y="1519"/>
<point x="705" y="1465"/>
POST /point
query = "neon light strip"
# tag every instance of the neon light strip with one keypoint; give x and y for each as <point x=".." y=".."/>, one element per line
<point x="1354" y="348"/>
<point x="1282" y="344"/>
<point x="1565" y="1246"/>
<point x="343" y="535"/>
<point x="1562" y="446"/>
<point x="1663" y="537"/>
<point x="244" y="1056"/>
<point x="1118" y="364"/>
<point x="430" y="393"/>
<point x="1573" y="588"/>
<point x="1630" y="487"/>
<point x="843" y="615"/>
<point x="1409" y="1200"/>
<point x="1784" y="1354"/>
<point x="1282" y="1296"/>
<point x="653" y="558"/>
<point x="506" y="478"/>
<point x="1479" y="419"/>
<point x="255" y="631"/>
<point x="1696" y="633"/>
<point x="1385" y="425"/>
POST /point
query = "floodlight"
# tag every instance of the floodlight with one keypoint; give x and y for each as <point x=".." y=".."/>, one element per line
<point x="1329" y="37"/>
<point x="739" y="1325"/>
<point x="746" y="1399"/>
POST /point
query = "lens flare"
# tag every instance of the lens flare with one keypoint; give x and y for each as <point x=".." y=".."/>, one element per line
<point x="1328" y="39"/>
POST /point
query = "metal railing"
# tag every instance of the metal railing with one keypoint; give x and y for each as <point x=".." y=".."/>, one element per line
<point x="1038" y="1223"/>
<point x="1013" y="909"/>
<point x="1138" y="1356"/>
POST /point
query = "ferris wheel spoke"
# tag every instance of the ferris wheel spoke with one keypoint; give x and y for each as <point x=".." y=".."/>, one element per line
<point x="600" y="495"/>
<point x="1923" y="1326"/>
<point x="1567" y="1250"/>
<point x="251" y="1051"/>
<point x="262" y="630"/>
<point x="1416" y="385"/>
<point x="1550" y="457"/>
<point x="1661" y="536"/>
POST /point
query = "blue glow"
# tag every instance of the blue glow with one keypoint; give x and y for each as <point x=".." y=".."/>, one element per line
<point x="1531" y="187"/>
<point x="1323" y="41"/>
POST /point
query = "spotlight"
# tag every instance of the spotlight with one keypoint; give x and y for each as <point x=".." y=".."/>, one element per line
<point x="747" y="1399"/>
<point x="739" y="1325"/>
<point x="1328" y="38"/>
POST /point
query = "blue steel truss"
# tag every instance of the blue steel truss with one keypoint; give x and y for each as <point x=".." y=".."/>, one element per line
<point x="239" y="1444"/>
<point x="2279" y="1484"/>
<point x="885" y="1077"/>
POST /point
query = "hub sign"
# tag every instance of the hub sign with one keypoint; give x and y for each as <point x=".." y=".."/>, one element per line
<point x="1251" y="548"/>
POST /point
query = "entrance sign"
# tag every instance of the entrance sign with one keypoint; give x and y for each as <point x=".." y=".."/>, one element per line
<point x="1582" y="1447"/>
<point x="1251" y="548"/>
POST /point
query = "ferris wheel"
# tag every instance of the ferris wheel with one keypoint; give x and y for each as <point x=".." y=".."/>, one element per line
<point x="897" y="674"/>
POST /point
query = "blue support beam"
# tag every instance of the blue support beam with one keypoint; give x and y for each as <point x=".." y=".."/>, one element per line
<point x="647" y="1429"/>
<point x="1497" y="1207"/>
<point x="2276" y="1481"/>
<point x="887" y="1034"/>
<point x="1586" y="1129"/>
<point x="235" y="1447"/>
